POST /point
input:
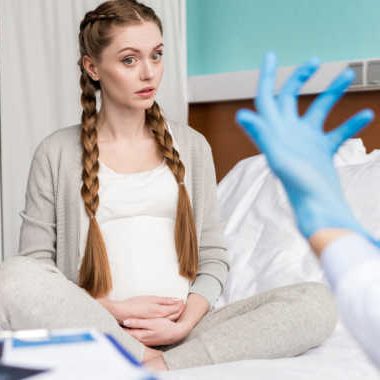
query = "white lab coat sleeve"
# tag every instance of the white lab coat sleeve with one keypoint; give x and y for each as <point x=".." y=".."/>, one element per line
<point x="352" y="267"/>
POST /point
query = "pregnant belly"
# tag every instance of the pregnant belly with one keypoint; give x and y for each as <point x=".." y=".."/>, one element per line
<point x="143" y="259"/>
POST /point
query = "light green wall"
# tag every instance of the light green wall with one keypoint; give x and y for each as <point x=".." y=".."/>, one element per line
<point x="233" y="35"/>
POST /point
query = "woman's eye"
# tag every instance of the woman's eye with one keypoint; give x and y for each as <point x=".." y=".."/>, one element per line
<point x="158" y="55"/>
<point x="128" y="60"/>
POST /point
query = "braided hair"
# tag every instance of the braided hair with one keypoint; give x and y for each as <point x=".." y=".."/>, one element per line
<point x="94" y="36"/>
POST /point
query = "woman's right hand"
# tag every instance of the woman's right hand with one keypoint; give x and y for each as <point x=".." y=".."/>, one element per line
<point x="144" y="307"/>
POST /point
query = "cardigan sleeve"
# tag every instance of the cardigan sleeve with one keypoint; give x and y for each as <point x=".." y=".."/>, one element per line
<point x="38" y="229"/>
<point x="213" y="255"/>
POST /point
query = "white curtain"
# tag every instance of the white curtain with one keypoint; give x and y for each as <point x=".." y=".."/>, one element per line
<point x="39" y="84"/>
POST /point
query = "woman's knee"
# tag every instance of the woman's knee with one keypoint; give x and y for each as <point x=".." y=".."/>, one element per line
<point x="12" y="272"/>
<point x="319" y="308"/>
<point x="18" y="275"/>
<point x="18" y="268"/>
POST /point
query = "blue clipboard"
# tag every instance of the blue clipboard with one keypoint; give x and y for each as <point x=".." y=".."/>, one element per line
<point x="54" y="339"/>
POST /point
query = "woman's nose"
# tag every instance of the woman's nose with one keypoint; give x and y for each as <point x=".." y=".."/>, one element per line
<point x="147" y="71"/>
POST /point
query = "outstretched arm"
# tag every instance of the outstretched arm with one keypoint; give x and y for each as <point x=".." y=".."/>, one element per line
<point x="300" y="153"/>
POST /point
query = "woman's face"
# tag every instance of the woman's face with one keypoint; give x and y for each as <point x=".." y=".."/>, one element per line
<point x="131" y="63"/>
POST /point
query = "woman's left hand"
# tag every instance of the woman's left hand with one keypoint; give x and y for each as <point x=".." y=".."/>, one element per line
<point x="156" y="331"/>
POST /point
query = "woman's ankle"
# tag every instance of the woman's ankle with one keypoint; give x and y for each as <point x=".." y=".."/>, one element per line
<point x="150" y="353"/>
<point x="157" y="364"/>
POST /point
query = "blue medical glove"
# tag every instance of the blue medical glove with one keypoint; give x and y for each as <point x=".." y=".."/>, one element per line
<point x="297" y="149"/>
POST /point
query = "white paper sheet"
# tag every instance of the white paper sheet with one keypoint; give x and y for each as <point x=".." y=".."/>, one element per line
<point x="94" y="357"/>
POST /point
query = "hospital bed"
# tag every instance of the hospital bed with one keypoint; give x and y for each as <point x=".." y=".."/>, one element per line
<point x="267" y="252"/>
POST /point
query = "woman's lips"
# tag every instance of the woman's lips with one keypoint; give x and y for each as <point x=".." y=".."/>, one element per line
<point x="146" y="94"/>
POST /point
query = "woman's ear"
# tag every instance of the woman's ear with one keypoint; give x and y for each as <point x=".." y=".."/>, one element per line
<point x="90" y="67"/>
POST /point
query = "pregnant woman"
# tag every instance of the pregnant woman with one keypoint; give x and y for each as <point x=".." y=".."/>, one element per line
<point x="121" y="230"/>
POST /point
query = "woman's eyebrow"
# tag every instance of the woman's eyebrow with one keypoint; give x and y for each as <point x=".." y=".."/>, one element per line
<point x="138" y="51"/>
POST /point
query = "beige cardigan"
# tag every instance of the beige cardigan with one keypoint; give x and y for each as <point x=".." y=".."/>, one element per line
<point x="51" y="218"/>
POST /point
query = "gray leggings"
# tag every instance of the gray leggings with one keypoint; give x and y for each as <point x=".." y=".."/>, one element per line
<point x="282" y="322"/>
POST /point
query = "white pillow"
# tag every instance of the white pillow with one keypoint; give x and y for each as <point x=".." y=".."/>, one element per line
<point x="266" y="249"/>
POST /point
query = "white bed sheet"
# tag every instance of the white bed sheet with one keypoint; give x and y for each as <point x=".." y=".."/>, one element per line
<point x="339" y="358"/>
<point x="267" y="251"/>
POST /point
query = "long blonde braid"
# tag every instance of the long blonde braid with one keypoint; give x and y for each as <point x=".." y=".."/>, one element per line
<point x="185" y="231"/>
<point x="96" y="282"/>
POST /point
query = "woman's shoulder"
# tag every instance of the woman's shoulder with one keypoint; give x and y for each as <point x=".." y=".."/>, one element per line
<point x="63" y="136"/>
<point x="64" y="139"/>
<point x="188" y="137"/>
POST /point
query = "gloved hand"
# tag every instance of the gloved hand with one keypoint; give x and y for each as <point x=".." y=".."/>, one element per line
<point x="297" y="149"/>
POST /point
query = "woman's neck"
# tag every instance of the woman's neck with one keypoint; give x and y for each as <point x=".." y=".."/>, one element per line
<point x="125" y="125"/>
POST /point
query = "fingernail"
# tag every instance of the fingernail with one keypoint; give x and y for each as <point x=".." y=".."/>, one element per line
<point x="126" y="322"/>
<point x="368" y="113"/>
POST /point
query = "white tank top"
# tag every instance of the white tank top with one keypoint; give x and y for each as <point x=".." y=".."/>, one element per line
<point x="136" y="215"/>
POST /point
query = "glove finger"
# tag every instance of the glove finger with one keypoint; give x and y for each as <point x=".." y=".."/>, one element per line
<point x="252" y="124"/>
<point x="287" y="99"/>
<point x="321" y="106"/>
<point x="349" y="128"/>
<point x="375" y="241"/>
<point x="264" y="102"/>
